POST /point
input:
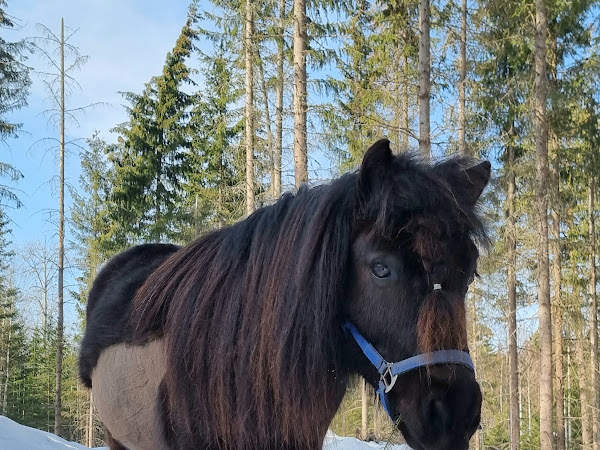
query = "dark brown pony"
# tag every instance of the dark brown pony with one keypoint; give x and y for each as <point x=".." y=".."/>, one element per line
<point x="251" y="316"/>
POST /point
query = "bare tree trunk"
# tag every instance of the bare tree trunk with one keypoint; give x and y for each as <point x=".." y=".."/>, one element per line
<point x="375" y="419"/>
<point x="45" y="297"/>
<point x="405" y="105"/>
<point x="157" y="213"/>
<point x="583" y="386"/>
<point x="543" y="275"/>
<point x="501" y="389"/>
<point x="364" y="411"/>
<point x="248" y="35"/>
<point x="398" y="85"/>
<point x="462" y="79"/>
<point x="270" y="138"/>
<point x="7" y="361"/>
<point x="511" y="280"/>
<point x="196" y="224"/>
<point x="61" y="242"/>
<point x="528" y="400"/>
<point x="557" y="314"/>
<point x="568" y="415"/>
<point x="475" y="352"/>
<point x="90" y="424"/>
<point x="594" y="315"/>
<point x="344" y="423"/>
<point x="424" y="80"/>
<point x="300" y="96"/>
<point x="276" y="176"/>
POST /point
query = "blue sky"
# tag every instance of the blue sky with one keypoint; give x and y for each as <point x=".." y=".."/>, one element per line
<point x="126" y="42"/>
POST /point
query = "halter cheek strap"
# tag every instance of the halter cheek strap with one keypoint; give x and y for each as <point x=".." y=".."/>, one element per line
<point x="389" y="371"/>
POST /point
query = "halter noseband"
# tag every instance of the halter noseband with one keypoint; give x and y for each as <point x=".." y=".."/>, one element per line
<point x="389" y="371"/>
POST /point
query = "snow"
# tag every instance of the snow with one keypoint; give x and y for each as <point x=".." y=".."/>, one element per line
<point x="335" y="442"/>
<point x="19" y="437"/>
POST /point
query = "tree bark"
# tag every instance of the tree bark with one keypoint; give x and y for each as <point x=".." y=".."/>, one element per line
<point x="405" y="105"/>
<point x="300" y="96"/>
<point x="249" y="136"/>
<point x="594" y="315"/>
<point x="364" y="411"/>
<point x="543" y="273"/>
<point x="586" y="436"/>
<point x="511" y="280"/>
<point x="279" y="105"/>
<point x="270" y="138"/>
<point x="475" y="353"/>
<point x="557" y="305"/>
<point x="462" y="79"/>
<point x="90" y="424"/>
<point x="7" y="361"/>
<point x="424" y="80"/>
<point x="61" y="242"/>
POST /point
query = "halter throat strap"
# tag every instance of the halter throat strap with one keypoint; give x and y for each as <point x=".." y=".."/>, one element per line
<point x="389" y="371"/>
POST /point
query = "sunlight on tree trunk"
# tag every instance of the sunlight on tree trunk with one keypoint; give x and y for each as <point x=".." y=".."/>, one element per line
<point x="364" y="431"/>
<point x="462" y="80"/>
<point x="249" y="46"/>
<point x="61" y="242"/>
<point x="593" y="314"/>
<point x="543" y="275"/>
<point x="276" y="180"/>
<point x="557" y="302"/>
<point x="511" y="284"/>
<point x="300" y="95"/>
<point x="424" y="80"/>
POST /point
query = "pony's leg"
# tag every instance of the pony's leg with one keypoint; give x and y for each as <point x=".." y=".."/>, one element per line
<point x="113" y="444"/>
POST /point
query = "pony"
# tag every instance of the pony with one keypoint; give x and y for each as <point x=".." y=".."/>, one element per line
<point x="246" y="338"/>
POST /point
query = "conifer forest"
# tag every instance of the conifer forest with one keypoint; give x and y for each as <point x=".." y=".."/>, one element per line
<point x="255" y="98"/>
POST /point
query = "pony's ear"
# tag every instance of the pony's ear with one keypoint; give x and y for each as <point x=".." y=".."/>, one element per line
<point x="468" y="182"/>
<point x="375" y="165"/>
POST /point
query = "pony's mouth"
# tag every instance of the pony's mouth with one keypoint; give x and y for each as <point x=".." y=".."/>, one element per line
<point x="415" y="443"/>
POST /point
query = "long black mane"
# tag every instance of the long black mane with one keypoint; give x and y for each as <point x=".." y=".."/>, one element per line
<point x="251" y="313"/>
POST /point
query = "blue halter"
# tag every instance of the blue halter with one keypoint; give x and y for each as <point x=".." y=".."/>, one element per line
<point x="389" y="371"/>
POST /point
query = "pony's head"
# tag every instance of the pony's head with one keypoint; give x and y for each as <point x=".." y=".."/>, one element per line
<point x="413" y="257"/>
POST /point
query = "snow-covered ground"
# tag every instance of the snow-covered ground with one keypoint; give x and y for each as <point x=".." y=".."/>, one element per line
<point x="18" y="437"/>
<point x="335" y="442"/>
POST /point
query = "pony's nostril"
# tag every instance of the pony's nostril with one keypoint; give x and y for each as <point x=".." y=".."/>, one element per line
<point x="439" y="415"/>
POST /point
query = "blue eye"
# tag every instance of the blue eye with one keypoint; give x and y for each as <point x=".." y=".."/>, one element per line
<point x="380" y="270"/>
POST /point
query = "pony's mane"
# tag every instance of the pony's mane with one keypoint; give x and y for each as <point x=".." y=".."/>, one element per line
<point x="251" y="313"/>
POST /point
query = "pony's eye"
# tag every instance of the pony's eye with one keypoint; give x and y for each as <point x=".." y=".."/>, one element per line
<point x="380" y="270"/>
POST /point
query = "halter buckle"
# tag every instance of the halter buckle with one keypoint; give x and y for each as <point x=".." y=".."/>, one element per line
<point x="388" y="379"/>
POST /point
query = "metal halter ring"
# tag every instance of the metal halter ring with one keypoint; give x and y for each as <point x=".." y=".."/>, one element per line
<point x="388" y="378"/>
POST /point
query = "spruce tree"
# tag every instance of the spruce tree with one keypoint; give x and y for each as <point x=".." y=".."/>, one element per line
<point x="14" y="90"/>
<point x="215" y="170"/>
<point x="150" y="160"/>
